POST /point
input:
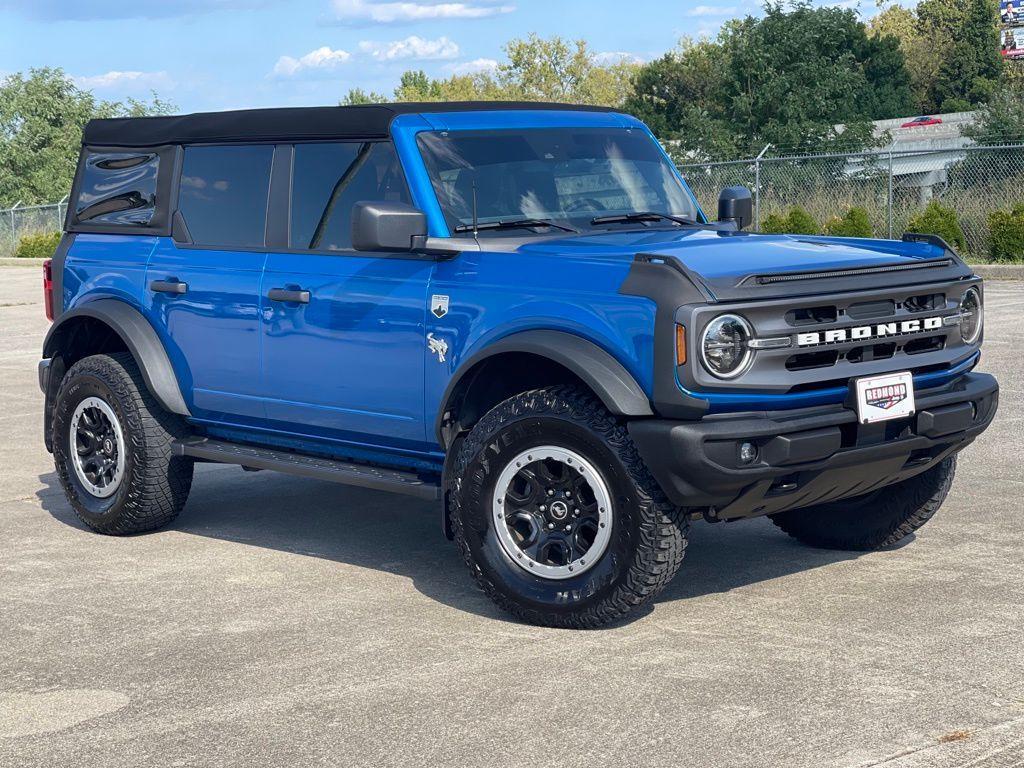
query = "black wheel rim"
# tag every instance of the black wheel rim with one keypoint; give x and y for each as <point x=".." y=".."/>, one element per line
<point x="97" y="447"/>
<point x="552" y="512"/>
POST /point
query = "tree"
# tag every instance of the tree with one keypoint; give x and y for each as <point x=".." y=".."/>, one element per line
<point x="535" y="69"/>
<point x="681" y="97"/>
<point x="359" y="96"/>
<point x="1001" y="119"/>
<point x="41" y="121"/>
<point x="554" y="69"/>
<point x="922" y="49"/>
<point x="967" y="37"/>
<point x="796" y="74"/>
<point x="417" y="86"/>
<point x="801" y="78"/>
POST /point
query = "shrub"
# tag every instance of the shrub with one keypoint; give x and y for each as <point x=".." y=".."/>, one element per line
<point x="801" y="223"/>
<point x="774" y="224"/>
<point x="854" y="223"/>
<point x="38" y="246"/>
<point x="1006" y="234"/>
<point x="796" y="222"/>
<point x="939" y="220"/>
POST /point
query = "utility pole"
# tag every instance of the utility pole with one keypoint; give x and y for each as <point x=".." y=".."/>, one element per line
<point x="757" y="188"/>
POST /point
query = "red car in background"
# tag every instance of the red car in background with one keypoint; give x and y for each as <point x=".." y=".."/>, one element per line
<point x="917" y="122"/>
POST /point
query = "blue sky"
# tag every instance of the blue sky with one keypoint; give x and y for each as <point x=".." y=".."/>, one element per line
<point x="228" y="54"/>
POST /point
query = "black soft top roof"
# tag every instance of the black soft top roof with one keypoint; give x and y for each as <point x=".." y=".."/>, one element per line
<point x="285" y="124"/>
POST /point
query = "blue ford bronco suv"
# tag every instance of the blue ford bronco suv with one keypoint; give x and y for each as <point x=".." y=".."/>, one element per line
<point x="517" y="311"/>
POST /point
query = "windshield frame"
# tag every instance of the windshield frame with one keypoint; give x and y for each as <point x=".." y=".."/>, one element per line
<point x="406" y="130"/>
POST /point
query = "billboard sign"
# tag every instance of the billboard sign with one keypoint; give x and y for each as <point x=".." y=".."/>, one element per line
<point x="1012" y="42"/>
<point x="1011" y="29"/>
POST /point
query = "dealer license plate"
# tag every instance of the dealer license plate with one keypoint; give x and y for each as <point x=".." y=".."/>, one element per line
<point x="881" y="398"/>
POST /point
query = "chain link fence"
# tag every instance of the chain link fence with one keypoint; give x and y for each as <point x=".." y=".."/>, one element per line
<point x="22" y="220"/>
<point x="892" y="186"/>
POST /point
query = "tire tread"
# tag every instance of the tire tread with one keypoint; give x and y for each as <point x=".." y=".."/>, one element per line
<point x="159" y="482"/>
<point x="663" y="527"/>
<point x="901" y="510"/>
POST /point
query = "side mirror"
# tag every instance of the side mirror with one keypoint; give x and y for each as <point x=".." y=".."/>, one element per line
<point x="384" y="226"/>
<point x="736" y="204"/>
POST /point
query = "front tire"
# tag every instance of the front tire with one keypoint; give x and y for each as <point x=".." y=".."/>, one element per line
<point x="876" y="521"/>
<point x="556" y="515"/>
<point x="112" y="448"/>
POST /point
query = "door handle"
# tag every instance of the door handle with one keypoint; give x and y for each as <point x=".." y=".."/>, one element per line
<point x="298" y="296"/>
<point x="169" y="286"/>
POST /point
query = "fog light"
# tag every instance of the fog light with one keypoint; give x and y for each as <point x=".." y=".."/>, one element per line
<point x="748" y="453"/>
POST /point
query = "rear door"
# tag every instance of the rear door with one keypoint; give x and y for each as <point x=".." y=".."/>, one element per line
<point x="203" y="297"/>
<point x="343" y="331"/>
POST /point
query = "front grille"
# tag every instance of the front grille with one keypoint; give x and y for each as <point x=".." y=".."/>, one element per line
<point x="805" y="361"/>
<point x="920" y="346"/>
<point x="870" y="352"/>
<point x="822" y="361"/>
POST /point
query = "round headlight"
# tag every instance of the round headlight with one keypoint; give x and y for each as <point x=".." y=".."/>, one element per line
<point x="725" y="346"/>
<point x="972" y="316"/>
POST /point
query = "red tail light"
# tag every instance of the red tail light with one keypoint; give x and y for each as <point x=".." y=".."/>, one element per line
<point x="48" y="287"/>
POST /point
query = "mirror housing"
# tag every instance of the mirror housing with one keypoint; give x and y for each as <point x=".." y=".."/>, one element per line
<point x="736" y="204"/>
<point x="387" y="226"/>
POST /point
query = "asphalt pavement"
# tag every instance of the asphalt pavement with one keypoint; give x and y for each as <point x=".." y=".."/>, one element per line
<point x="282" y="621"/>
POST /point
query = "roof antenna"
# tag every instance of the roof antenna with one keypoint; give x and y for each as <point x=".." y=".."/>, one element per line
<point x="475" y="231"/>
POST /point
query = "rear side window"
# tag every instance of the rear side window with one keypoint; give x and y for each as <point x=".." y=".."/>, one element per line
<point x="118" y="188"/>
<point x="223" y="194"/>
<point x="329" y="179"/>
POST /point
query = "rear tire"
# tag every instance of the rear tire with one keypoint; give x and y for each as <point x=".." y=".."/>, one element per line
<point x="556" y="515"/>
<point x="112" y="448"/>
<point x="876" y="521"/>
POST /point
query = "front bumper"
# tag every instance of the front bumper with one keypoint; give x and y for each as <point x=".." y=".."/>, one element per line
<point x="812" y="455"/>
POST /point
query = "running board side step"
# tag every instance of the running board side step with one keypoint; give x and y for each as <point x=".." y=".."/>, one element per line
<point x="345" y="472"/>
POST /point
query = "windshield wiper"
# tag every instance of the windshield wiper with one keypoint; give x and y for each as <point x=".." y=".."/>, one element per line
<point x="641" y="216"/>
<point x="516" y="224"/>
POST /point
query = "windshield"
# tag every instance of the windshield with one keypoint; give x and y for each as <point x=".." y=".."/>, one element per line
<point x="566" y="176"/>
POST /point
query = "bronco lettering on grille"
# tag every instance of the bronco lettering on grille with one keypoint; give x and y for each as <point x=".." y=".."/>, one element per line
<point x="861" y="332"/>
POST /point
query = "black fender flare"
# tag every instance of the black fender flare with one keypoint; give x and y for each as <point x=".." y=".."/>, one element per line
<point x="606" y="376"/>
<point x="142" y="342"/>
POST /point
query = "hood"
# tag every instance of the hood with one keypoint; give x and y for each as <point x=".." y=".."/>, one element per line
<point x="737" y="265"/>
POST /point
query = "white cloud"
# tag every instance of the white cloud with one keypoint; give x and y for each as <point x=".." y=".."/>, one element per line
<point x="714" y="10"/>
<point x="128" y="80"/>
<point x="323" y="58"/>
<point x="413" y="47"/>
<point x="472" y="67"/>
<point x="368" y="11"/>
<point x="615" y="57"/>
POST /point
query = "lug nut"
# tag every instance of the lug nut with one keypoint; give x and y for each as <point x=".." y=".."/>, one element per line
<point x="568" y="527"/>
<point x="543" y="507"/>
<point x="551" y="526"/>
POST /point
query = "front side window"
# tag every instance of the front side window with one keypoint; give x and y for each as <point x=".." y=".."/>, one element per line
<point x="118" y="188"/>
<point x="223" y="194"/>
<point x="329" y="179"/>
<point x="568" y="176"/>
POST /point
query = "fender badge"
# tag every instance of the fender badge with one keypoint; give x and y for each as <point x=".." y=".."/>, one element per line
<point x="438" y="306"/>
<point x="437" y="347"/>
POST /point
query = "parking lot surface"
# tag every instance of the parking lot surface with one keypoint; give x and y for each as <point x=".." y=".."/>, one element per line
<point x="282" y="621"/>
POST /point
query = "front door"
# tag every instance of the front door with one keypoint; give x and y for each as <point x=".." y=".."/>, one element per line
<point x="343" y="331"/>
